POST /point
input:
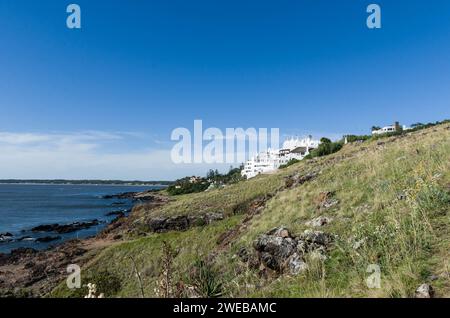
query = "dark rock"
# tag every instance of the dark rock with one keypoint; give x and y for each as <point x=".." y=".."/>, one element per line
<point x="118" y="203"/>
<point x="243" y="254"/>
<point x="162" y="224"/>
<point x="45" y="228"/>
<point x="275" y="248"/>
<point x="316" y="237"/>
<point x="296" y="180"/>
<point x="124" y="195"/>
<point x="275" y="245"/>
<point x="116" y="213"/>
<point x="270" y="261"/>
<point x="47" y="239"/>
<point x="182" y="223"/>
<point x="17" y="255"/>
<point x="73" y="227"/>
<point x="279" y="251"/>
<point x="66" y="228"/>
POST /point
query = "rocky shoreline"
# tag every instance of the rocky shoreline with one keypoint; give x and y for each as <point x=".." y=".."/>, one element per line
<point x="27" y="272"/>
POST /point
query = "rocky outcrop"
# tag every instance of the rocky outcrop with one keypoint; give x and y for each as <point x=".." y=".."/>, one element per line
<point x="299" y="179"/>
<point x="182" y="223"/>
<point x="424" y="291"/>
<point x="65" y="228"/>
<point x="124" y="195"/>
<point x="47" y="239"/>
<point x="150" y="195"/>
<point x="6" y="237"/>
<point x="39" y="271"/>
<point x="118" y="213"/>
<point x="281" y="252"/>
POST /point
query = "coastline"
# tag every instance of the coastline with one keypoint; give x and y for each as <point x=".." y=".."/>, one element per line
<point x="88" y="184"/>
<point x="34" y="214"/>
<point x="36" y="272"/>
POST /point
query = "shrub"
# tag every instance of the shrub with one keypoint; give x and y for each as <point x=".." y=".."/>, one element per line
<point x="353" y="138"/>
<point x="184" y="186"/>
<point x="289" y="163"/>
<point x="206" y="280"/>
<point x="107" y="283"/>
<point x="325" y="149"/>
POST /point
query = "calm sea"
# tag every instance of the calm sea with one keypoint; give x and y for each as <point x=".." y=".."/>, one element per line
<point x="23" y="207"/>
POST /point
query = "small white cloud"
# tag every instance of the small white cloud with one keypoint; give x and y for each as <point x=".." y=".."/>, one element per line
<point x="19" y="139"/>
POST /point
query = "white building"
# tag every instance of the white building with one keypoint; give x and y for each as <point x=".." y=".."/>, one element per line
<point x="390" y="129"/>
<point x="270" y="160"/>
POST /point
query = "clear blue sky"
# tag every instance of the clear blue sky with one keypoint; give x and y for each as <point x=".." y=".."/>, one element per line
<point x="138" y="69"/>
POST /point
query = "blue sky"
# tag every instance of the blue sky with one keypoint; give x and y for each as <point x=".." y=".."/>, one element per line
<point x="101" y="102"/>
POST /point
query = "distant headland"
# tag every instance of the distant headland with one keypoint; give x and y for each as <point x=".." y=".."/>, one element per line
<point x="84" y="182"/>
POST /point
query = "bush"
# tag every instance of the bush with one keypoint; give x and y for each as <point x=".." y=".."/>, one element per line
<point x="185" y="187"/>
<point x="206" y="280"/>
<point x="325" y="149"/>
<point x="289" y="163"/>
<point x="353" y="138"/>
<point x="107" y="283"/>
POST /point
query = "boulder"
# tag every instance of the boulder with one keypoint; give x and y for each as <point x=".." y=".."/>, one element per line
<point x="47" y="239"/>
<point x="280" y="251"/>
<point x="424" y="291"/>
<point x="275" y="248"/>
<point x="182" y="222"/>
<point x="6" y="237"/>
<point x="65" y="228"/>
<point x="298" y="179"/>
<point x="280" y="232"/>
<point x="270" y="262"/>
<point x="243" y="254"/>
<point x="119" y="213"/>
<point x="316" y="238"/>
<point x="296" y="264"/>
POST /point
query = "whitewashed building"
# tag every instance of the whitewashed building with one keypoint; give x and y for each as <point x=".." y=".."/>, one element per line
<point x="271" y="160"/>
<point x="390" y="129"/>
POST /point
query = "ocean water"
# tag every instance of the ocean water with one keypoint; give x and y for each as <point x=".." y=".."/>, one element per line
<point x="23" y="207"/>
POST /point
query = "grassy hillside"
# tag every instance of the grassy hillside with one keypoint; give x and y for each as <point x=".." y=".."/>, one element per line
<point x="388" y="205"/>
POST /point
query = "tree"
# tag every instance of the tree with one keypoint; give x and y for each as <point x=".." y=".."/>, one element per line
<point x="325" y="140"/>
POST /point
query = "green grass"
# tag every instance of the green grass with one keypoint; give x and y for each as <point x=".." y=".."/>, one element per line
<point x="393" y="195"/>
<point x="115" y="260"/>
